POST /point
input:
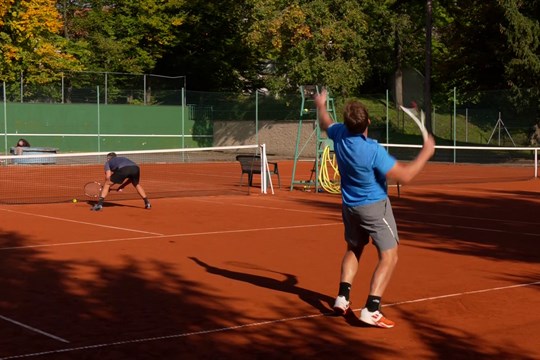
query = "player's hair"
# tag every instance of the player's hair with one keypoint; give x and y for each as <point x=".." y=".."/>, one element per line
<point x="355" y="117"/>
<point x="111" y="155"/>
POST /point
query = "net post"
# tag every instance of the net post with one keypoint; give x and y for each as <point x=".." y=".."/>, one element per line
<point x="536" y="163"/>
<point x="266" y="178"/>
<point x="263" y="168"/>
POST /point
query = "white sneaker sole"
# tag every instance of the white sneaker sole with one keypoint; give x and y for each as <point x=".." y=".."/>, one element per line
<point x="366" y="317"/>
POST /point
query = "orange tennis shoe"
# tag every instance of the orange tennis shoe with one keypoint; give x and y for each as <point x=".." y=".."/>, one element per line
<point x="375" y="318"/>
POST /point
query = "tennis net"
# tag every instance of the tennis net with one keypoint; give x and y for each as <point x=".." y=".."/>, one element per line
<point x="49" y="178"/>
<point x="477" y="164"/>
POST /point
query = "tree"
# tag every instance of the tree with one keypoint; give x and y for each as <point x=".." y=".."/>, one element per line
<point x="123" y="35"/>
<point x="472" y="40"/>
<point x="522" y="31"/>
<point x="211" y="49"/>
<point x="320" y="42"/>
<point x="30" y="42"/>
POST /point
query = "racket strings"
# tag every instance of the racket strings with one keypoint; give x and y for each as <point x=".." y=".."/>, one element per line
<point x="92" y="189"/>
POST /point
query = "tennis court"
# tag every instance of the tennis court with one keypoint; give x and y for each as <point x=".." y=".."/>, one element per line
<point x="233" y="275"/>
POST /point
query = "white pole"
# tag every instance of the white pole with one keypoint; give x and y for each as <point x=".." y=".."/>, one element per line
<point x="263" y="168"/>
<point x="22" y="87"/>
<point x="5" y="119"/>
<point x="467" y="125"/>
<point x="499" y="123"/>
<point x="535" y="163"/>
<point x="98" y="122"/>
<point x="106" y="89"/>
<point x="266" y="178"/>
<point x="387" y="120"/>
<point x="433" y="120"/>
<point x="455" y="116"/>
<point x="183" y="117"/>
<point x="256" y="116"/>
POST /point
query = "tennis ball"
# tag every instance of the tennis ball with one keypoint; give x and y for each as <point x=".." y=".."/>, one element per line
<point x="74" y="200"/>
<point x="306" y="110"/>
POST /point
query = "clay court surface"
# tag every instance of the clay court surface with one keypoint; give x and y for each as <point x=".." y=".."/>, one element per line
<point x="254" y="276"/>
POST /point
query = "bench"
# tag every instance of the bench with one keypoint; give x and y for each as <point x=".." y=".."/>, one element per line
<point x="251" y="164"/>
<point x="26" y="158"/>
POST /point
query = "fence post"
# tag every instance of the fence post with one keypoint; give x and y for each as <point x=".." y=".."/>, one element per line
<point x="257" y="116"/>
<point x="183" y="118"/>
<point x="455" y="124"/>
<point x="5" y="118"/>
<point x="98" y="122"/>
<point x="387" y="120"/>
<point x="22" y="86"/>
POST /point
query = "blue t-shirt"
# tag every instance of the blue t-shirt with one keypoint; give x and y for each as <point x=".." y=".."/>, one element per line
<point x="118" y="162"/>
<point x="363" y="165"/>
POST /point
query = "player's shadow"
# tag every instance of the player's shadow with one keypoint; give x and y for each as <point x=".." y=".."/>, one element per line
<point x="352" y="319"/>
<point x="112" y="204"/>
<point x="289" y="284"/>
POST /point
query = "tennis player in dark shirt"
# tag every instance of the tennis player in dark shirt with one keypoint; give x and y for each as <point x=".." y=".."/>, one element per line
<point x="123" y="171"/>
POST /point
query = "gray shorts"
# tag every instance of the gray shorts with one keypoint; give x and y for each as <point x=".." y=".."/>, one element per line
<point x="374" y="220"/>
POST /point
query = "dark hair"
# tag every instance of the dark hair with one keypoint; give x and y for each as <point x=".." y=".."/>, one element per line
<point x="355" y="117"/>
<point x="24" y="142"/>
<point x="111" y="155"/>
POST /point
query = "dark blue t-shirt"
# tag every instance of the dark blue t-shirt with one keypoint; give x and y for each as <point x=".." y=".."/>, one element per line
<point x="118" y="162"/>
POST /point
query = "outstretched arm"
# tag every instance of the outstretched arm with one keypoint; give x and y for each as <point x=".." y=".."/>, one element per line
<point x="405" y="172"/>
<point x="324" y="118"/>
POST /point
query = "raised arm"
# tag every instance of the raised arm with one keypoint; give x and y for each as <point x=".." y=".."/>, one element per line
<point x="405" y="172"/>
<point x="324" y="118"/>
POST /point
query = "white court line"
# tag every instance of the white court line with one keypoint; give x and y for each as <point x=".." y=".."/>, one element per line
<point x="33" y="329"/>
<point x="310" y="211"/>
<point x="160" y="236"/>
<point x="262" y="323"/>
<point x="80" y="222"/>
<point x="459" y="294"/>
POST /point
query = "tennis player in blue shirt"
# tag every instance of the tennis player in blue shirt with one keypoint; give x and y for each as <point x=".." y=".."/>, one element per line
<point x="123" y="171"/>
<point x="364" y="166"/>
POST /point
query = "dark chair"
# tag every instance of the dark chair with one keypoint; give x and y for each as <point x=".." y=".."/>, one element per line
<point x="251" y="164"/>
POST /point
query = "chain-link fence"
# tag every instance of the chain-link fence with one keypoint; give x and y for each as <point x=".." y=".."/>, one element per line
<point x="494" y="118"/>
<point x="480" y="118"/>
<point x="108" y="87"/>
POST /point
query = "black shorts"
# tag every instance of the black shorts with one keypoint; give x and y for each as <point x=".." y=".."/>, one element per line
<point x="128" y="172"/>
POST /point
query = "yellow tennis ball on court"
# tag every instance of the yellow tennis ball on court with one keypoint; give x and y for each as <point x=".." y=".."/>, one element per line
<point x="74" y="201"/>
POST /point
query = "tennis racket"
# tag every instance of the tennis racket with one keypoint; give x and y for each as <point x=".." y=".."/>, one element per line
<point x="93" y="189"/>
<point x="419" y="122"/>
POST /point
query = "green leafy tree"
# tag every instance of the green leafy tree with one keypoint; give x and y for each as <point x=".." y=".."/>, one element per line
<point x="522" y="31"/>
<point x="320" y="42"/>
<point x="31" y="43"/>
<point x="123" y="35"/>
<point x="212" y="49"/>
<point x="474" y="41"/>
